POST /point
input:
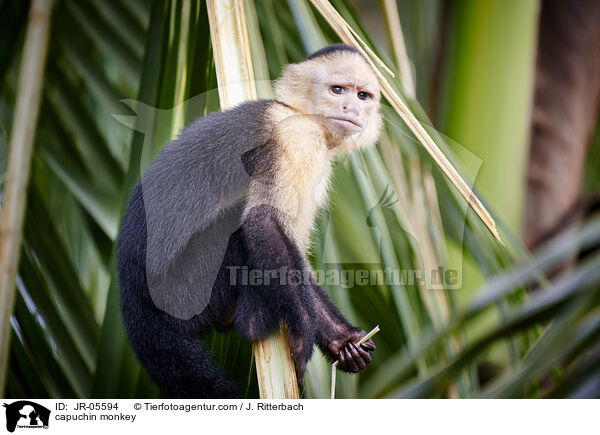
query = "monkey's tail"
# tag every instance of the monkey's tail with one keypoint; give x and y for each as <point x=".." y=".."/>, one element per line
<point x="179" y="364"/>
<point x="167" y="347"/>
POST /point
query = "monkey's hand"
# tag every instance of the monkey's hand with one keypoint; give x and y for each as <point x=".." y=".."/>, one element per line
<point x="337" y="338"/>
<point x="351" y="356"/>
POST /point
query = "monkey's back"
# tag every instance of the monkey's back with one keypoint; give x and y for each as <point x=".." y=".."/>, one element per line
<point x="192" y="194"/>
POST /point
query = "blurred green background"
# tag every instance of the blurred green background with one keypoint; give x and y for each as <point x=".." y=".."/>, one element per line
<point x="488" y="77"/>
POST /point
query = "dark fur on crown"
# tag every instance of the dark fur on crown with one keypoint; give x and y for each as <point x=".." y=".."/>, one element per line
<point x="331" y="49"/>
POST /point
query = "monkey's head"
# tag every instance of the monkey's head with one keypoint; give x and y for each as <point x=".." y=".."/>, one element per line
<point x="338" y="85"/>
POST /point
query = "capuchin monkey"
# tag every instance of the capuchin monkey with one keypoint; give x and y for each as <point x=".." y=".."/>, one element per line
<point x="238" y="191"/>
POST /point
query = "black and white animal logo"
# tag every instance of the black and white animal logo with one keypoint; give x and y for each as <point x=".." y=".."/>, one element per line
<point x="26" y="414"/>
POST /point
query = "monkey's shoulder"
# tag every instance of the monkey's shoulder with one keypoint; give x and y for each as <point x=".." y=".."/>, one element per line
<point x="240" y="123"/>
<point x="274" y="118"/>
<point x="249" y="125"/>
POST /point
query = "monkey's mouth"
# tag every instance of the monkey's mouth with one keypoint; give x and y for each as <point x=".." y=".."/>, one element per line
<point x="349" y="124"/>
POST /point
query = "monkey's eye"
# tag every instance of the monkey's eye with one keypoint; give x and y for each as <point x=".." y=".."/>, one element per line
<point x="363" y="96"/>
<point x="337" y="90"/>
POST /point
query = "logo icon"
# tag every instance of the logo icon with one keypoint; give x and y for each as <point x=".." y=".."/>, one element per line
<point x="26" y="414"/>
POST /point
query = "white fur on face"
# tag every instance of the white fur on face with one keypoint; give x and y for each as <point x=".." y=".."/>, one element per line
<point x="306" y="87"/>
<point x="303" y="139"/>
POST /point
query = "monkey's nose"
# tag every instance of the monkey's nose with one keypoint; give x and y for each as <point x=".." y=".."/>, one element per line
<point x="350" y="108"/>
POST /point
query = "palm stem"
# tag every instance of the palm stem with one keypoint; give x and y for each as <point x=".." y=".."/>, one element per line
<point x="31" y="74"/>
<point x="235" y="76"/>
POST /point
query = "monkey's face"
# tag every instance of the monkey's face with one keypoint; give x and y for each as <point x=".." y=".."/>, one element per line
<point x="342" y="90"/>
<point x="346" y="94"/>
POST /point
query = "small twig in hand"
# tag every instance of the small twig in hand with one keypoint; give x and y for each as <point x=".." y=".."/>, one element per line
<point x="374" y="331"/>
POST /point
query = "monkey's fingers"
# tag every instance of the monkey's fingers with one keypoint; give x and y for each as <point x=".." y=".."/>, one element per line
<point x="369" y="345"/>
<point x="351" y="365"/>
<point x="356" y="356"/>
<point x="366" y="356"/>
<point x="343" y="361"/>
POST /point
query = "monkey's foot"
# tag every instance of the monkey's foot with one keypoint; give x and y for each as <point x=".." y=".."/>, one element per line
<point x="301" y="349"/>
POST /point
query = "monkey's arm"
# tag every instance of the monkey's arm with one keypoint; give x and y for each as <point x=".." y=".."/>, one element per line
<point x="281" y="297"/>
<point x="309" y="313"/>
<point x="337" y="338"/>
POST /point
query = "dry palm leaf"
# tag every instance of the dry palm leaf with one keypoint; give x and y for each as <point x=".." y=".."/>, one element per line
<point x="350" y="37"/>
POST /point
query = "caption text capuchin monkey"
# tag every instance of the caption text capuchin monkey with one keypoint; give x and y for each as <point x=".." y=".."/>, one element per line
<point x="240" y="189"/>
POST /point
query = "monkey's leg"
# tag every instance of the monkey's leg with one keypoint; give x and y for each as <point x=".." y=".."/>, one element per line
<point x="221" y="309"/>
<point x="337" y="338"/>
<point x="281" y="295"/>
